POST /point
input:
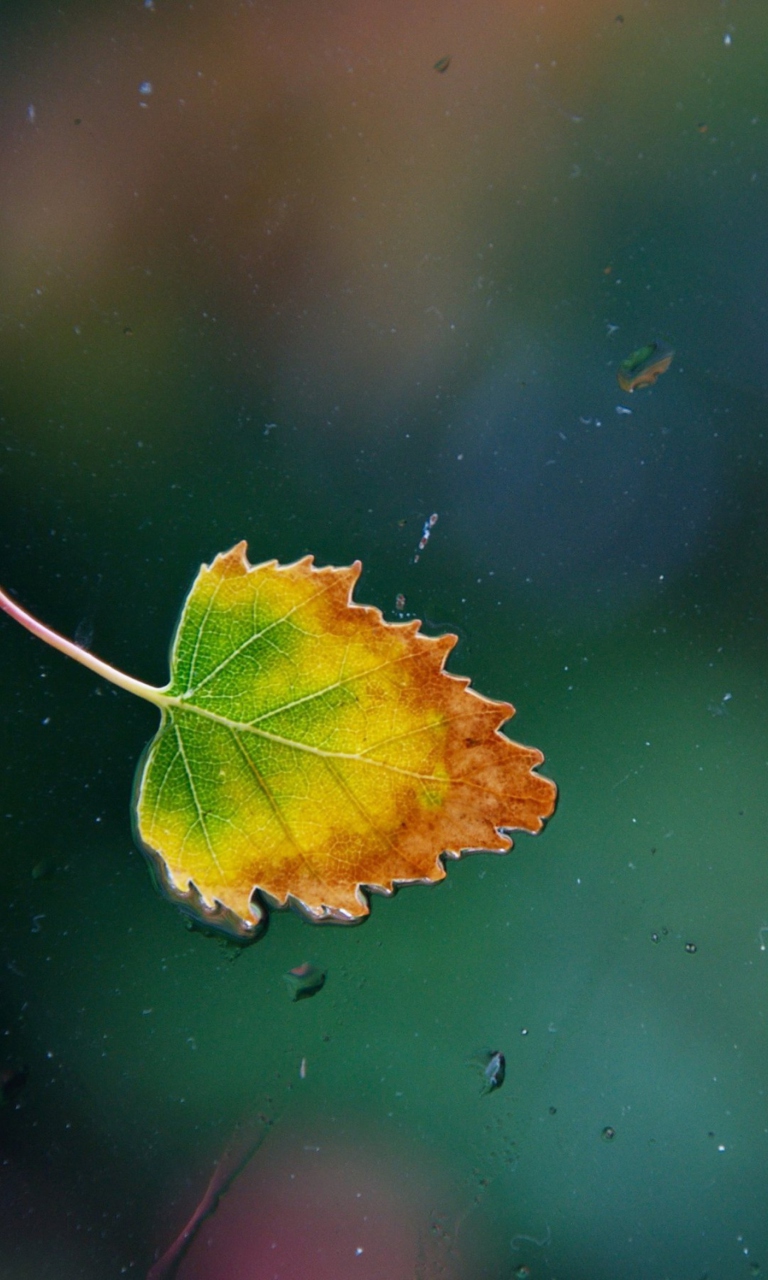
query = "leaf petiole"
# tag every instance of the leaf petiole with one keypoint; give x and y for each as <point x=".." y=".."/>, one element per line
<point x="72" y="650"/>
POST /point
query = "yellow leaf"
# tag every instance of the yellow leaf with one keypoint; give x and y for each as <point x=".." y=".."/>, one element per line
<point x="309" y="749"/>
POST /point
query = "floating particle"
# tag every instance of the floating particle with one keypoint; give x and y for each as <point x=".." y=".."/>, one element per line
<point x="522" y="1272"/>
<point x="654" y="937"/>
<point x="494" y="1066"/>
<point x="43" y="869"/>
<point x="425" y="535"/>
<point x="443" y="64"/>
<point x="608" y="1134"/>
<point x="400" y="602"/>
<point x="303" y="1069"/>
<point x="553" y="1111"/>
<point x="691" y="947"/>
<point x="304" y="981"/>
<point x="702" y="127"/>
<point x="31" y="114"/>
<point x="644" y="366"/>
<point x="145" y="88"/>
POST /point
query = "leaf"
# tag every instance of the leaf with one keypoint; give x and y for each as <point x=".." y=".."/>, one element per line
<point x="308" y="750"/>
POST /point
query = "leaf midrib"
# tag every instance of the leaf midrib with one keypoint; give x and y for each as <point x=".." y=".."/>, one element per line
<point x="175" y="704"/>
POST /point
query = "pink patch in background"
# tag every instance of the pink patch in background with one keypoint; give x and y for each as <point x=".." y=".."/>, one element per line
<point x="330" y="1211"/>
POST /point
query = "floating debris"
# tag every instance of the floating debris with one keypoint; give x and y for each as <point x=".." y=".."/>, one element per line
<point x="443" y="64"/>
<point x="494" y="1067"/>
<point x="644" y="366"/>
<point x="304" y="981"/>
<point x="425" y="535"/>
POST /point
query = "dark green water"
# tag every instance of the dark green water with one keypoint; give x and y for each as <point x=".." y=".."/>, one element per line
<point x="306" y="292"/>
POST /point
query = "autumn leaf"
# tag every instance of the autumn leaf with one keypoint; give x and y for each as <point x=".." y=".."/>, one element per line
<point x="308" y="750"/>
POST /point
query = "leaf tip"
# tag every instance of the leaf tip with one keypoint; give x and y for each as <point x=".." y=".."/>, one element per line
<point x="233" y="562"/>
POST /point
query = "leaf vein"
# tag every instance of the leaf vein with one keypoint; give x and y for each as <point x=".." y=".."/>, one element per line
<point x="277" y="811"/>
<point x="196" y="801"/>
<point x="258" y="636"/>
<point x="338" y="684"/>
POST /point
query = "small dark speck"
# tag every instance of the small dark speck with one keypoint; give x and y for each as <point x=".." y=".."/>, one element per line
<point x="443" y="64"/>
<point x="553" y="1111"/>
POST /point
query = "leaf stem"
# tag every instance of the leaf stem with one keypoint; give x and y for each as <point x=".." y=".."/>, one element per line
<point x="72" y="650"/>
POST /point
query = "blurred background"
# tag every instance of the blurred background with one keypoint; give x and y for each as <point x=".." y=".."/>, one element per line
<point x="306" y="274"/>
